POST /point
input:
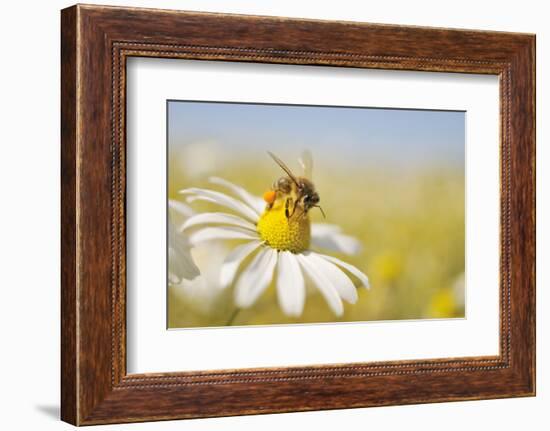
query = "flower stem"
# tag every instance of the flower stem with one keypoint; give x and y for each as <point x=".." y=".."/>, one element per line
<point x="232" y="317"/>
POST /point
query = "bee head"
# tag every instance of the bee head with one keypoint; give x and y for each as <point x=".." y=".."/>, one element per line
<point x="312" y="200"/>
<point x="283" y="184"/>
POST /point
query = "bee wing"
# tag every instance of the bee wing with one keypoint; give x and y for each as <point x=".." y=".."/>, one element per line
<point x="306" y="161"/>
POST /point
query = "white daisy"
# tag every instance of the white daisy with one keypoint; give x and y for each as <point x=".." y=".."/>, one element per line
<point x="202" y="295"/>
<point x="194" y="272"/>
<point x="180" y="262"/>
<point x="277" y="245"/>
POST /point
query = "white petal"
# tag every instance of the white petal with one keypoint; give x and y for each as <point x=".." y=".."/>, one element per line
<point x="217" y="218"/>
<point x="355" y="271"/>
<point x="233" y="260"/>
<point x="222" y="199"/>
<point x="324" y="285"/>
<point x="291" y="290"/>
<point x="255" y="278"/>
<point x="178" y="212"/>
<point x="180" y="208"/>
<point x="181" y="266"/>
<point x="189" y="269"/>
<point x="345" y="287"/>
<point x="252" y="201"/>
<point x="217" y="233"/>
<point x="180" y="262"/>
<point x="328" y="237"/>
<point x="322" y="229"/>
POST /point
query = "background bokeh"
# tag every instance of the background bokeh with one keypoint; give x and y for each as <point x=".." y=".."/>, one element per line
<point x="392" y="178"/>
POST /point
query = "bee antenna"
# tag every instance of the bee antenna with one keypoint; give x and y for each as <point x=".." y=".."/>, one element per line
<point x="322" y="212"/>
<point x="284" y="168"/>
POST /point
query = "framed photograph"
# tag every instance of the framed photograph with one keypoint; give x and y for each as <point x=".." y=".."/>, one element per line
<point x="264" y="214"/>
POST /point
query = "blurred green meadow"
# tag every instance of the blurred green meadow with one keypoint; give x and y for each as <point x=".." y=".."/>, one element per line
<point x="392" y="178"/>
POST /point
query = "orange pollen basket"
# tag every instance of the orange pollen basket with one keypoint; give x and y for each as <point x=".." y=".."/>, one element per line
<point x="269" y="196"/>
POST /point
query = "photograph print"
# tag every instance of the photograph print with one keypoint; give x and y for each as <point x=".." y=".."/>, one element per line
<point x="297" y="214"/>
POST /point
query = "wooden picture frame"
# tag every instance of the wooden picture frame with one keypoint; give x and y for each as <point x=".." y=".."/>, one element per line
<point x="95" y="43"/>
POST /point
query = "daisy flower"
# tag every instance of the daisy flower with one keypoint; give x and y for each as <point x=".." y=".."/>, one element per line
<point x="180" y="262"/>
<point x="194" y="272"/>
<point x="201" y="296"/>
<point x="278" y="246"/>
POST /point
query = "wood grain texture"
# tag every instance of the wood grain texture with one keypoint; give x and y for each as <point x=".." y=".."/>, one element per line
<point x="96" y="41"/>
<point x="69" y="397"/>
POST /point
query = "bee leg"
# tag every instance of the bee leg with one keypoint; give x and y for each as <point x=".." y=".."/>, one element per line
<point x="287" y="205"/>
<point x="294" y="208"/>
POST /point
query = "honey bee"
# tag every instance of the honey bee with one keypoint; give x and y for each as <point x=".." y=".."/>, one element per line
<point x="299" y="191"/>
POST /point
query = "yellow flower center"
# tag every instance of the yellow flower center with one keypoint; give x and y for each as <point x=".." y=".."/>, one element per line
<point x="282" y="233"/>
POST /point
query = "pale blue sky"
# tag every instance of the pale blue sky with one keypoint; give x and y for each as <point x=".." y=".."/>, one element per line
<point x="365" y="135"/>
